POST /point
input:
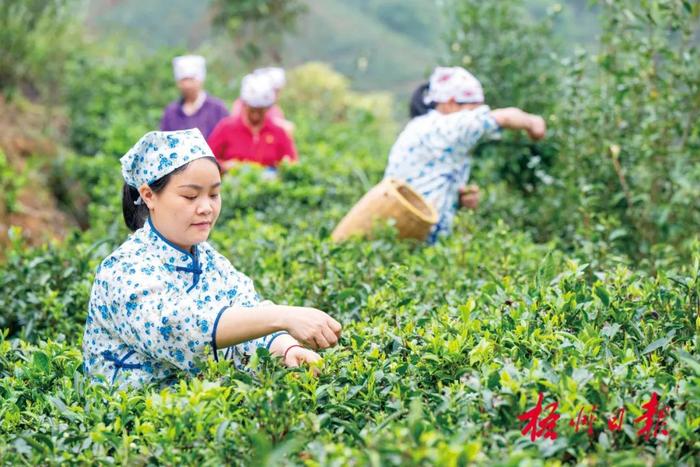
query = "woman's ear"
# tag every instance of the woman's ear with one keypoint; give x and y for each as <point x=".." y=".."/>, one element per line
<point x="147" y="195"/>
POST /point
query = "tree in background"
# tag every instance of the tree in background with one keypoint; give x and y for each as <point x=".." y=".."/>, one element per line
<point x="257" y="27"/>
<point x="623" y="121"/>
<point x="415" y="18"/>
<point x="37" y="37"/>
<point x="512" y="54"/>
<point x="515" y="56"/>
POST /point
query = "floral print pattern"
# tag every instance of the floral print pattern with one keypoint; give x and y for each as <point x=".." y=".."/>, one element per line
<point x="154" y="310"/>
<point x="432" y="154"/>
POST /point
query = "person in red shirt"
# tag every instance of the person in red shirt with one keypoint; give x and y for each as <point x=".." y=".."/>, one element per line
<point x="278" y="78"/>
<point x="250" y="137"/>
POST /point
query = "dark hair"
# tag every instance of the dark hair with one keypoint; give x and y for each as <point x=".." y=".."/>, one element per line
<point x="417" y="107"/>
<point x="135" y="215"/>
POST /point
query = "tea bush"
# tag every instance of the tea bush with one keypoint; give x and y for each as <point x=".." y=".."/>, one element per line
<point x="620" y="168"/>
<point x="107" y="93"/>
<point x="10" y="184"/>
<point x="443" y="346"/>
<point x="42" y="288"/>
<point x="38" y="38"/>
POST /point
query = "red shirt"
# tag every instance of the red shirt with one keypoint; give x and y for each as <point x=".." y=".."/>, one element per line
<point x="233" y="139"/>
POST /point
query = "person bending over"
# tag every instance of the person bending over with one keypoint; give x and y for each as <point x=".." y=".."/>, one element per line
<point x="433" y="152"/>
<point x="250" y="136"/>
<point x="278" y="79"/>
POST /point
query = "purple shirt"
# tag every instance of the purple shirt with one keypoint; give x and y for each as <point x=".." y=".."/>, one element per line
<point x="206" y="118"/>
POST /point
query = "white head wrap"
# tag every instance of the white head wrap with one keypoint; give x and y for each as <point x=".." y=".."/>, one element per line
<point x="276" y="75"/>
<point x="257" y="91"/>
<point x="189" y="66"/>
<point x="454" y="83"/>
<point x="158" y="153"/>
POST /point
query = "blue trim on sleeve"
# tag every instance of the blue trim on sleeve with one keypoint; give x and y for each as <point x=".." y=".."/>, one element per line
<point x="274" y="336"/>
<point x="213" y="333"/>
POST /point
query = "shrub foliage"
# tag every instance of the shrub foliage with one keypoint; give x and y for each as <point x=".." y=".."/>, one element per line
<point x="570" y="283"/>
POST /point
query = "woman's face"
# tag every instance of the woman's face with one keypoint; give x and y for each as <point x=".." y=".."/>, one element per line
<point x="255" y="115"/>
<point x="189" y="87"/>
<point x="185" y="210"/>
<point x="453" y="106"/>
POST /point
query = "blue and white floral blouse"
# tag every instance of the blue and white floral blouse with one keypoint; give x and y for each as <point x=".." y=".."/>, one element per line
<point x="433" y="155"/>
<point x="155" y="307"/>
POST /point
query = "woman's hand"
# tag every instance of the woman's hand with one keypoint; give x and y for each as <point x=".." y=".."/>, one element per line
<point x="296" y="356"/>
<point x="516" y="119"/>
<point x="537" y="128"/>
<point x="311" y="326"/>
<point x="469" y="196"/>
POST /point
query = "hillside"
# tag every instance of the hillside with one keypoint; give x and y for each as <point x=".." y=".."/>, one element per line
<point x="379" y="44"/>
<point x="370" y="53"/>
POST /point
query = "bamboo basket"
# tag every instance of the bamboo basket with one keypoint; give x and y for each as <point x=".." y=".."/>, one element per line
<point x="391" y="199"/>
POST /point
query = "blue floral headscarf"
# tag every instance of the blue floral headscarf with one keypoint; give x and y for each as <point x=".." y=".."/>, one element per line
<point x="158" y="153"/>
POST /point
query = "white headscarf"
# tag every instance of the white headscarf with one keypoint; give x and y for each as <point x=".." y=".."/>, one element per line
<point x="454" y="83"/>
<point x="276" y="75"/>
<point x="257" y="91"/>
<point x="189" y="66"/>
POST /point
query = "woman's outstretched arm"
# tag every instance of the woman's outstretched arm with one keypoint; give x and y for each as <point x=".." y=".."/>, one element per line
<point x="308" y="325"/>
<point x="516" y="119"/>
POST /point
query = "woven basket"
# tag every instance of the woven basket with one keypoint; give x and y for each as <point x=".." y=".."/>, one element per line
<point x="391" y="199"/>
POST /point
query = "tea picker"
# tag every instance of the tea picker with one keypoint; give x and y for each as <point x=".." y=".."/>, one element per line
<point x="278" y="79"/>
<point x="251" y="136"/>
<point x="433" y="153"/>
<point x="195" y="108"/>
<point x="165" y="300"/>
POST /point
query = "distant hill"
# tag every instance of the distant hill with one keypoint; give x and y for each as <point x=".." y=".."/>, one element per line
<point x="380" y="44"/>
<point x="153" y="23"/>
<point x="369" y="43"/>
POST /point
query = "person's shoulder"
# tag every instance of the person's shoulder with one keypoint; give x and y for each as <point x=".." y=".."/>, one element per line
<point x="212" y="261"/>
<point x="216" y="102"/>
<point x="230" y="121"/>
<point x="173" y="106"/>
<point x="212" y="256"/>
<point x="134" y="251"/>
<point x="275" y="128"/>
<point x="275" y="112"/>
<point x="425" y="121"/>
<point x="476" y="114"/>
<point x="482" y="110"/>
<point x="125" y="256"/>
<point x="484" y="116"/>
<point x="206" y="250"/>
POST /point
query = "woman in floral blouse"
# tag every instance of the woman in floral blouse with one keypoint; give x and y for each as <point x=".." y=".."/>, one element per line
<point x="165" y="300"/>
<point x="433" y="152"/>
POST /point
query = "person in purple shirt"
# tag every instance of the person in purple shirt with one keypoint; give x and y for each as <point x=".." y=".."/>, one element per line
<point x="195" y="109"/>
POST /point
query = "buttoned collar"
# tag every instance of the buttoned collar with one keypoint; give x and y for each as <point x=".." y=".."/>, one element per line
<point x="174" y="257"/>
